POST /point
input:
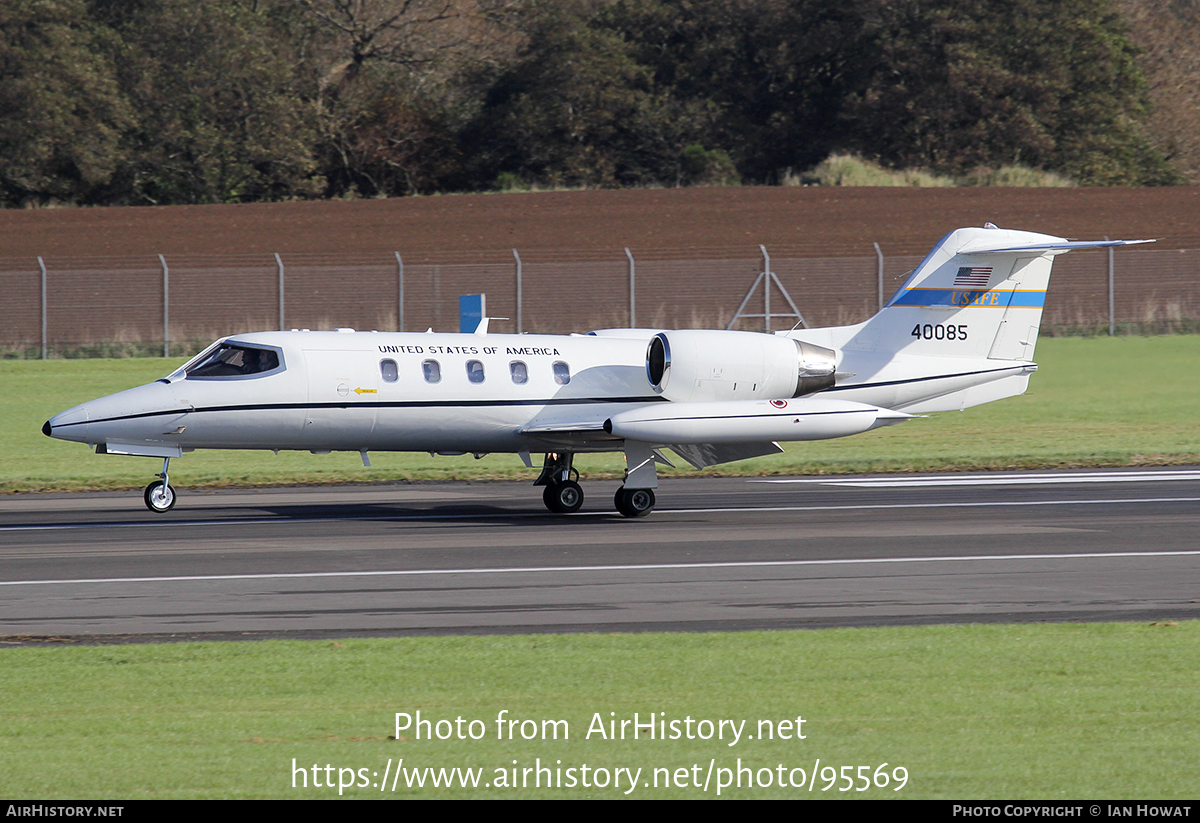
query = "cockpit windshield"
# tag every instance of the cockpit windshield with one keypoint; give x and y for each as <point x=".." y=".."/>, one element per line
<point x="235" y="360"/>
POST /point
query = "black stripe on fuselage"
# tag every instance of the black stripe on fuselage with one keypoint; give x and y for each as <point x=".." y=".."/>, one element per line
<point x="418" y="404"/>
<point x="378" y="404"/>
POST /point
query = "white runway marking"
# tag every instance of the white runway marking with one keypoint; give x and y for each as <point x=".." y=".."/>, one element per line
<point x="746" y="564"/>
<point x="996" y="480"/>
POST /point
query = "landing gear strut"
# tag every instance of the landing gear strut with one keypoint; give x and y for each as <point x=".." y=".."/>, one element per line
<point x="636" y="497"/>
<point x="160" y="495"/>
<point x="563" y="493"/>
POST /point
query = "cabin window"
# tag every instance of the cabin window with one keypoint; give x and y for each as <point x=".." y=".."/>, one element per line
<point x="433" y="371"/>
<point x="475" y="371"/>
<point x="562" y="373"/>
<point x="519" y="372"/>
<point x="235" y="360"/>
<point x="389" y="371"/>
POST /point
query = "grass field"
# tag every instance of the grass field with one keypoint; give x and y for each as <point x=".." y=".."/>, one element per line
<point x="1094" y="402"/>
<point x="969" y="712"/>
<point x="1061" y="712"/>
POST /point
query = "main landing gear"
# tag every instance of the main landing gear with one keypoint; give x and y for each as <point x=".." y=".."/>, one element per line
<point x="160" y="495"/>
<point x="634" y="502"/>
<point x="563" y="497"/>
<point x="563" y="494"/>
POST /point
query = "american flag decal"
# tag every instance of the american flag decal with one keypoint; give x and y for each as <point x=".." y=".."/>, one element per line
<point x="973" y="277"/>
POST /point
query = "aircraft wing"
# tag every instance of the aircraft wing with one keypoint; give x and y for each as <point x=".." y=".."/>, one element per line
<point x="568" y="434"/>
<point x="564" y="427"/>
<point x="701" y="455"/>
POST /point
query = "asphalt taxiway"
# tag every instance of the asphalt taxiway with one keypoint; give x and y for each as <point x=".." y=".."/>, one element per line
<point x="717" y="554"/>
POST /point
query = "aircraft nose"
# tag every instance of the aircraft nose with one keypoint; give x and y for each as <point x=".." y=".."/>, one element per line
<point x="129" y="416"/>
<point x="69" y="425"/>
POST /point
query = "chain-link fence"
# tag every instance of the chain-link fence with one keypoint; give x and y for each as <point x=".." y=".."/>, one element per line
<point x="59" y="306"/>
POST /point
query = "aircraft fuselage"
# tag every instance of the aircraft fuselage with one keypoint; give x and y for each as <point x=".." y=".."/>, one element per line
<point x="379" y="391"/>
<point x="960" y="332"/>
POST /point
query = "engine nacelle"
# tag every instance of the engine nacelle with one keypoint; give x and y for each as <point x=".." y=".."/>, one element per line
<point x="704" y="366"/>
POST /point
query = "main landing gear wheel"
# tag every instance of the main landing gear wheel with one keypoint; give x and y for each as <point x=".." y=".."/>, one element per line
<point x="634" y="502"/>
<point x="160" y="496"/>
<point x="563" y="497"/>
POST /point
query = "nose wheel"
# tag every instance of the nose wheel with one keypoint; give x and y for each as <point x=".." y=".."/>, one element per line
<point x="160" y="495"/>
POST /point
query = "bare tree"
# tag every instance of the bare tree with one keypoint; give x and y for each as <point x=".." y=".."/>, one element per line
<point x="399" y="75"/>
<point x="416" y="34"/>
<point x="1168" y="33"/>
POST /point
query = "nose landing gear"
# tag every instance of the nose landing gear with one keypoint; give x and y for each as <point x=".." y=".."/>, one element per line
<point x="160" y="495"/>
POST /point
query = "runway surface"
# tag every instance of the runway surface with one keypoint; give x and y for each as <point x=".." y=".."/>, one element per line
<point x="717" y="554"/>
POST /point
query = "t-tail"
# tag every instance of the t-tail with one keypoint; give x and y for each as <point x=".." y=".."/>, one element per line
<point x="988" y="284"/>
<point x="971" y="309"/>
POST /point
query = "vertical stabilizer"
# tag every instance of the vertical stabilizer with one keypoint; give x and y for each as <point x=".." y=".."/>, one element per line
<point x="962" y="329"/>
<point x="978" y="294"/>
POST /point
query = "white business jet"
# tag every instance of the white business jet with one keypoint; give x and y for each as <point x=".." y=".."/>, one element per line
<point x="960" y="332"/>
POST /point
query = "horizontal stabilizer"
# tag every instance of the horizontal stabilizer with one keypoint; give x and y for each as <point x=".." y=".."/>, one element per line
<point x="1062" y="245"/>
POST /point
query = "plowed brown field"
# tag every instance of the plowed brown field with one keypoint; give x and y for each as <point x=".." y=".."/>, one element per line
<point x="826" y="219"/>
<point x="696" y="254"/>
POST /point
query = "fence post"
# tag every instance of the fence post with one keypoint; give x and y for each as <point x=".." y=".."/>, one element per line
<point x="42" y="265"/>
<point x="517" y="257"/>
<point x="279" y="264"/>
<point x="879" y="257"/>
<point x="632" y="304"/>
<point x="1112" y="315"/>
<point x="166" y="307"/>
<point x="767" y="277"/>
<point x="399" y="292"/>
<point x="766" y="287"/>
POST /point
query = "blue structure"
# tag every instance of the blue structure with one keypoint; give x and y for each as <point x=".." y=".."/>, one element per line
<point x="471" y="309"/>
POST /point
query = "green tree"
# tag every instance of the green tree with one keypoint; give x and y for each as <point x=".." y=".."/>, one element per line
<point x="964" y="83"/>
<point x="225" y="115"/>
<point x="773" y="75"/>
<point x="179" y="101"/>
<point x="945" y="84"/>
<point x="62" y="115"/>
<point x="577" y="110"/>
